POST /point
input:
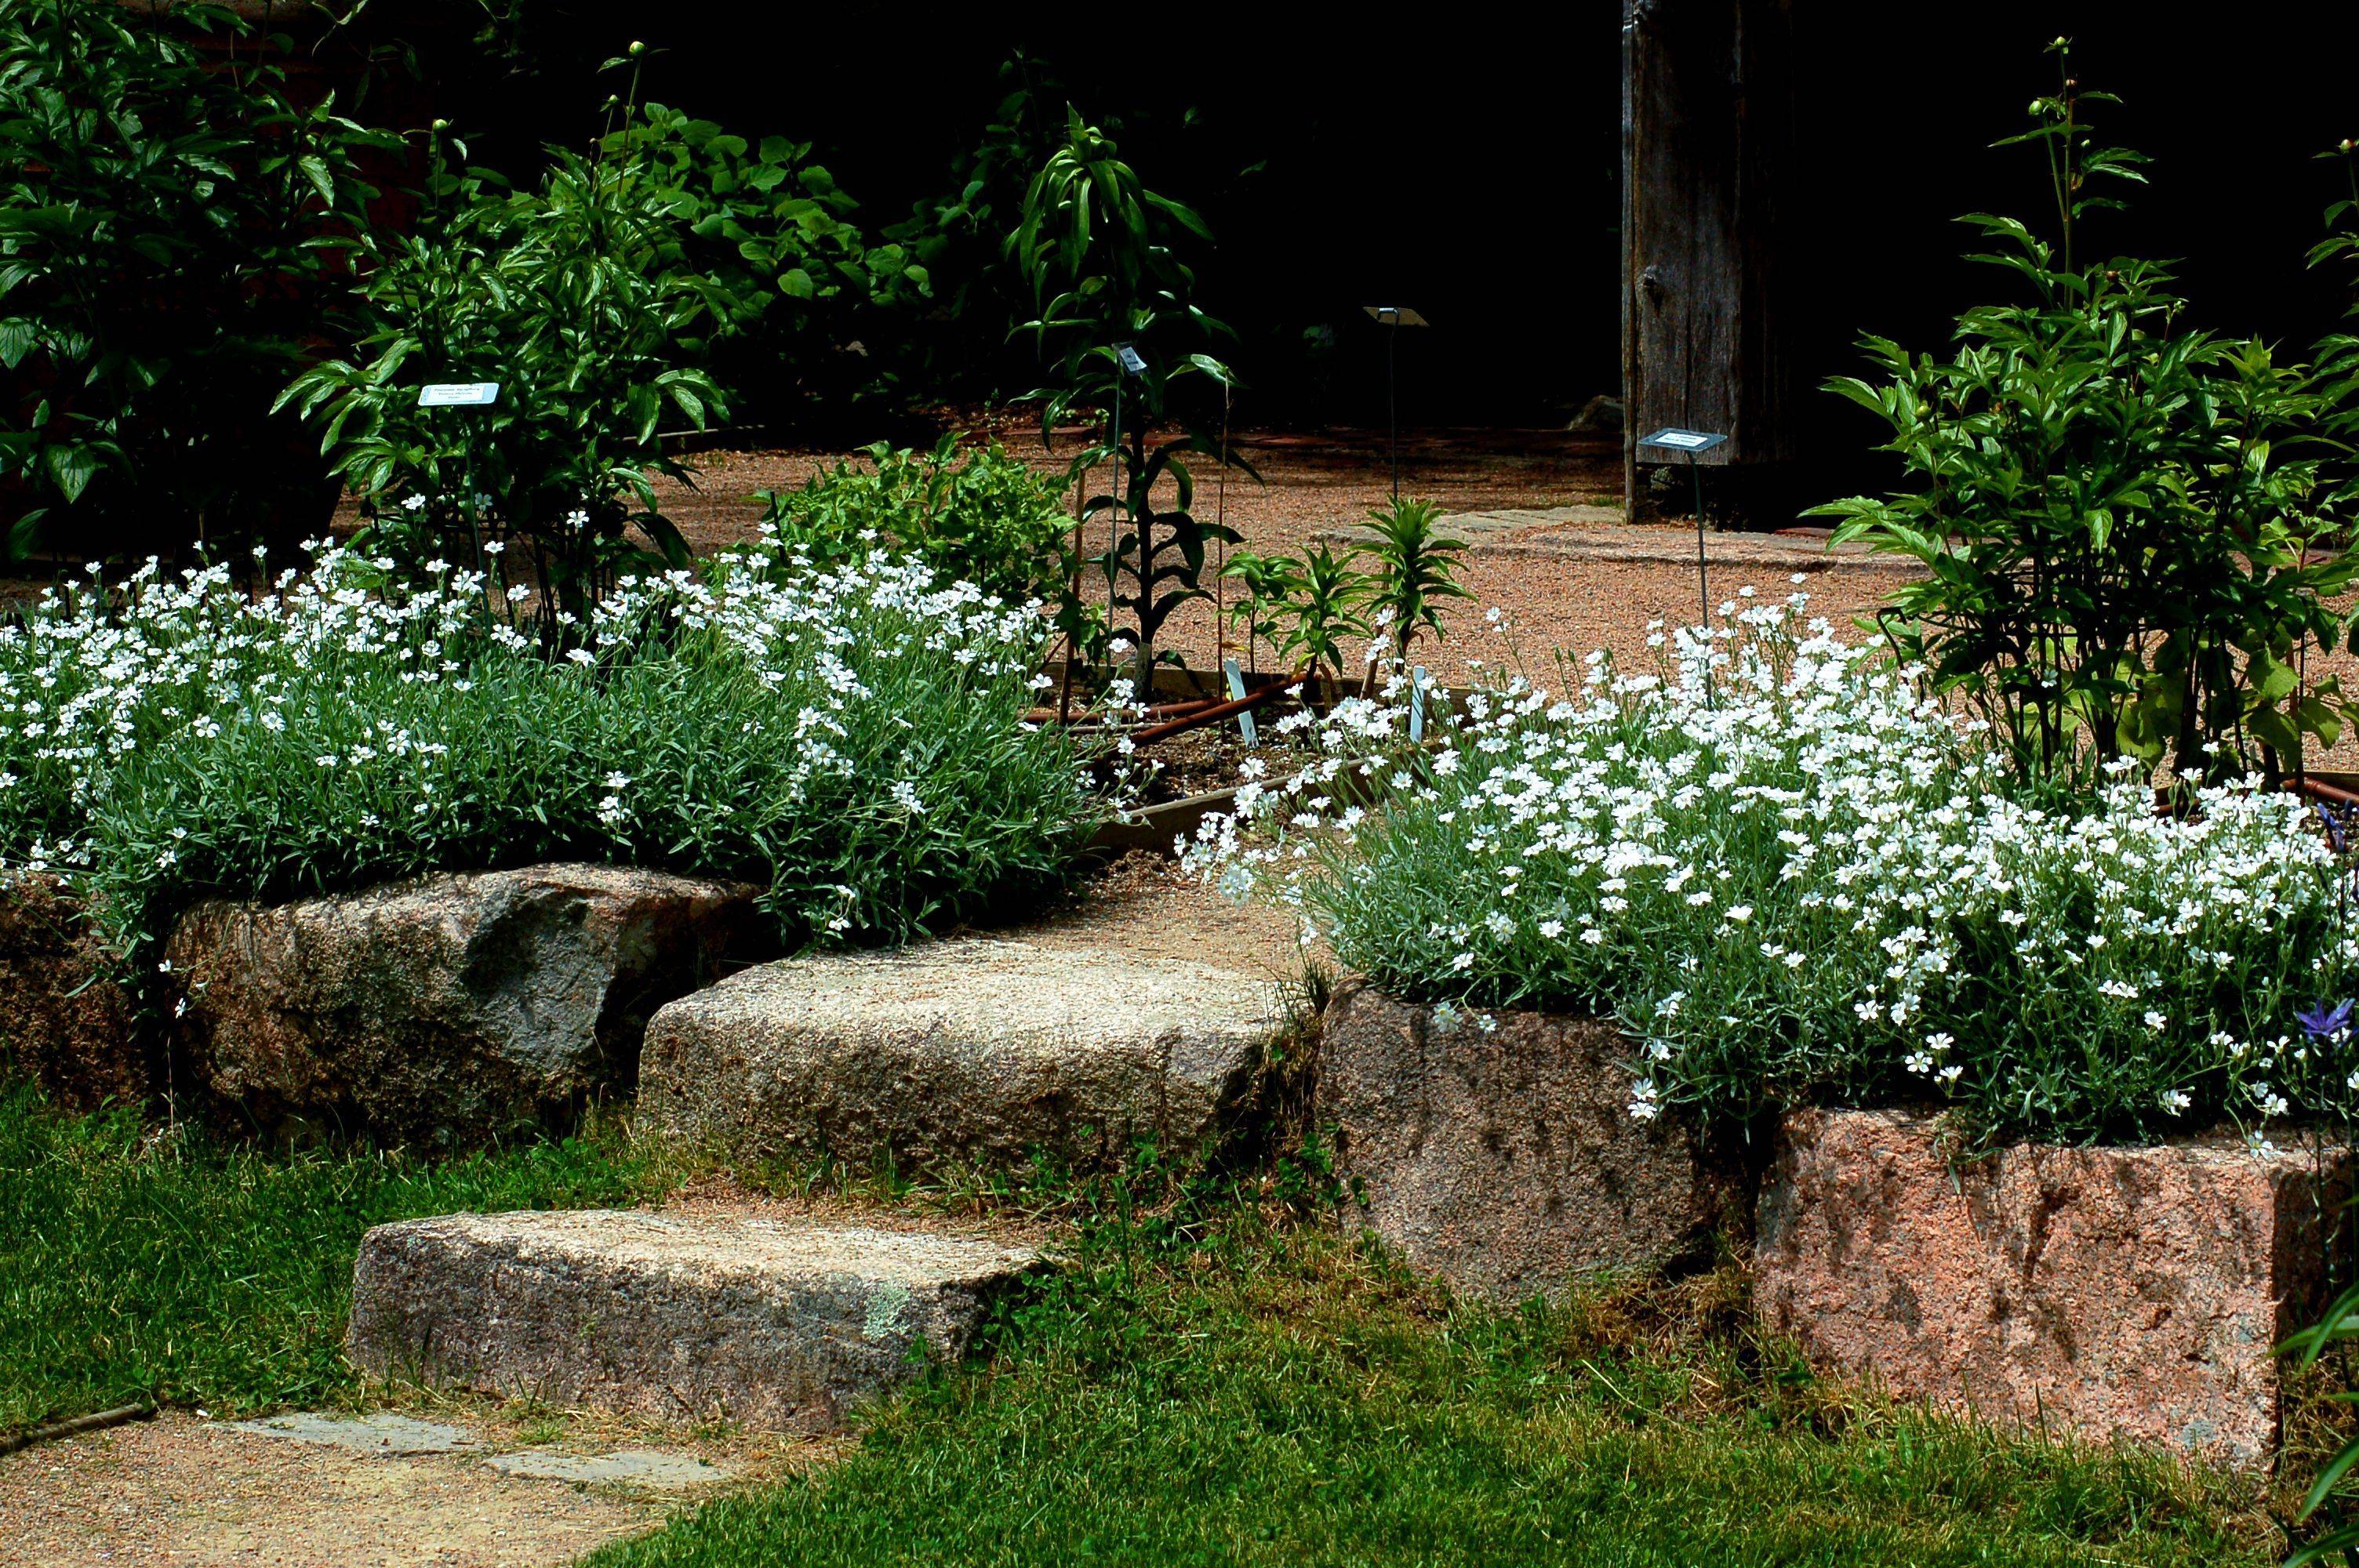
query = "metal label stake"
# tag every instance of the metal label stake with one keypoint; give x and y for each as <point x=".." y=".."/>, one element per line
<point x="1394" y="317"/>
<point x="1687" y="443"/>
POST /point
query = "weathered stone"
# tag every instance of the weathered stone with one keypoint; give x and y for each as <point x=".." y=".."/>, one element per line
<point x="380" y="1432"/>
<point x="782" y="1325"/>
<point x="452" y="1005"/>
<point x="2104" y="1292"/>
<point x="969" y="1048"/>
<point x="1505" y="1160"/>
<point x="66" y="1021"/>
<point x="646" y="1469"/>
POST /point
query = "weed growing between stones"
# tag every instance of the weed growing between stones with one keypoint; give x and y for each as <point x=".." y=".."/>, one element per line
<point x="852" y="740"/>
<point x="1793" y="878"/>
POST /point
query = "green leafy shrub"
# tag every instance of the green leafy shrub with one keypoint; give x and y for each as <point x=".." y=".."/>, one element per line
<point x="1420" y="568"/>
<point x="2113" y="511"/>
<point x="1802" y="881"/>
<point x="987" y="519"/>
<point x="571" y="297"/>
<point x="788" y="276"/>
<point x="853" y="740"/>
<point x="604" y="301"/>
<point x="1098" y="248"/>
<point x="161" y="273"/>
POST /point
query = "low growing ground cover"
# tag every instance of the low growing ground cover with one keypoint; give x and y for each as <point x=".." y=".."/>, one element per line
<point x="852" y="740"/>
<point x="1794" y="878"/>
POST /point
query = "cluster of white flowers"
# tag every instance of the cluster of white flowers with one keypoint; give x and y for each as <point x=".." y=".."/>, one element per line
<point x="1790" y="874"/>
<point x="342" y="691"/>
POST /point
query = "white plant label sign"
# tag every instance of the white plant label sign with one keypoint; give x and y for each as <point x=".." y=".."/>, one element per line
<point x="458" y="395"/>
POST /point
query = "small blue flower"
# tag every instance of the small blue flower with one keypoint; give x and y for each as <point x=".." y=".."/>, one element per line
<point x="2320" y="1021"/>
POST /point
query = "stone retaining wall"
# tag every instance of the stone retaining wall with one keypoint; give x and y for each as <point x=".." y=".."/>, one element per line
<point x="1503" y="1157"/>
<point x="2103" y="1292"/>
<point x="2100" y="1293"/>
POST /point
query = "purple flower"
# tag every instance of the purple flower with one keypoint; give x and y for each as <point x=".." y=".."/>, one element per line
<point x="2320" y="1021"/>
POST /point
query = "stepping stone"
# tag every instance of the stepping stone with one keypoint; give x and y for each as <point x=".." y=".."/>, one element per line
<point x="971" y="1048"/>
<point x="380" y="1434"/>
<point x="780" y="1325"/>
<point x="651" y="1469"/>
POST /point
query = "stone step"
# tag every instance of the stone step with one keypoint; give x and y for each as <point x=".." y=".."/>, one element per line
<point x="782" y="1325"/>
<point x="971" y="1048"/>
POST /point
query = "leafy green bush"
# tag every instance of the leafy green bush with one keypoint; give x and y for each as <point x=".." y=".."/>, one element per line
<point x="603" y="301"/>
<point x="853" y="740"/>
<point x="570" y="298"/>
<point x="1802" y="881"/>
<point x="989" y="519"/>
<point x="161" y="273"/>
<point x="788" y="276"/>
<point x="2113" y="511"/>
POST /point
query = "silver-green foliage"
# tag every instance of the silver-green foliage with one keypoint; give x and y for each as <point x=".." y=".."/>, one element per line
<point x="1803" y="882"/>
<point x="853" y="740"/>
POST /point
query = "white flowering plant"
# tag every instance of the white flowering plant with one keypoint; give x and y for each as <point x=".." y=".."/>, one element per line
<point x="1794" y="878"/>
<point x="852" y="739"/>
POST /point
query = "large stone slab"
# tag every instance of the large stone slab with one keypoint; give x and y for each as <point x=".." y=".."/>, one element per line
<point x="1505" y="1160"/>
<point x="66" y="1020"/>
<point x="2103" y="1291"/>
<point x="974" y="1048"/>
<point x="449" y="1005"/>
<point x="781" y="1325"/>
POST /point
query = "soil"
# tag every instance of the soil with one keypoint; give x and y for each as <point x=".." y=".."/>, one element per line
<point x="186" y="1491"/>
<point x="1146" y="904"/>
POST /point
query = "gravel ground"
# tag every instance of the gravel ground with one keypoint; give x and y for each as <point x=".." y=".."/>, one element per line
<point x="183" y="1491"/>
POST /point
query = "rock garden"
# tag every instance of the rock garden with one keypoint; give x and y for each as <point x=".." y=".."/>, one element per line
<point x="526" y="1038"/>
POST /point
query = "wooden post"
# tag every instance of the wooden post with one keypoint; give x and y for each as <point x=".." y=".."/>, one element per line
<point x="1707" y="139"/>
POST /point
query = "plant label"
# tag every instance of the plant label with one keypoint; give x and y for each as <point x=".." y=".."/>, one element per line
<point x="458" y="395"/>
<point x="1238" y="693"/>
<point x="1683" y="440"/>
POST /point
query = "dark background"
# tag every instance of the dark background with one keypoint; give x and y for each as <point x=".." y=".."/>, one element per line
<point x="1467" y="164"/>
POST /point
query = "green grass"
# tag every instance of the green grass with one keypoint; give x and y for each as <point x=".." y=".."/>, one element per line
<point x="1205" y="1384"/>
<point x="139" y="1264"/>
<point x="1238" y="1395"/>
